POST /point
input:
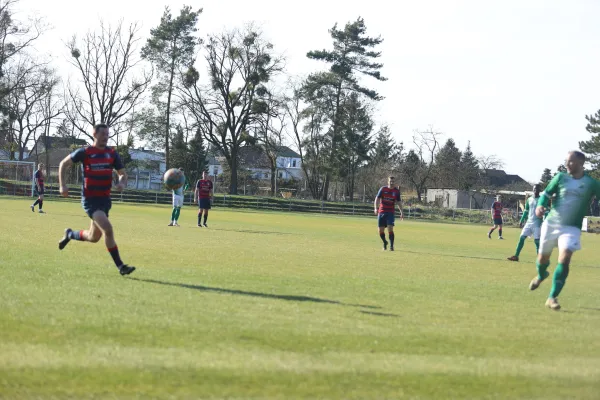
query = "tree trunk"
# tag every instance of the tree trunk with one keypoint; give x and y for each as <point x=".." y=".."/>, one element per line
<point x="233" y="167"/>
<point x="273" y="178"/>
<point x="326" y="186"/>
<point x="168" y="120"/>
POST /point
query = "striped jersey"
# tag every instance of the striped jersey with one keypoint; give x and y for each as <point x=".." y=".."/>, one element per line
<point x="98" y="165"/>
<point x="389" y="197"/>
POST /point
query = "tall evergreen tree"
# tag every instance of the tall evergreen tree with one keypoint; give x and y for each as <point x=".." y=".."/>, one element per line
<point x="546" y="178"/>
<point x="447" y="165"/>
<point x="469" y="169"/>
<point x="592" y="147"/>
<point x="353" y="54"/>
<point x="171" y="46"/>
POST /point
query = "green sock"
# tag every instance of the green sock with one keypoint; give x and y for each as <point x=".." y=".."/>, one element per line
<point x="177" y="212"/>
<point x="537" y="245"/>
<point x="173" y="213"/>
<point x="559" y="279"/>
<point x="541" y="268"/>
<point x="520" y="245"/>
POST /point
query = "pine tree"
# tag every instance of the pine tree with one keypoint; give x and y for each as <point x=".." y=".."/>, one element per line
<point x="447" y="166"/>
<point x="172" y="46"/>
<point x="469" y="169"/>
<point x="546" y="178"/>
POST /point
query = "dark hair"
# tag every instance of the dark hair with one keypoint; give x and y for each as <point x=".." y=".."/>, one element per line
<point x="181" y="169"/>
<point x="99" y="126"/>
<point x="391" y="177"/>
<point x="580" y="156"/>
<point x="537" y="186"/>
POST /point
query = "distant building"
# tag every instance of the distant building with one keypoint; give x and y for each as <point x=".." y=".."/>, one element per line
<point x="497" y="178"/>
<point x="146" y="169"/>
<point x="254" y="159"/>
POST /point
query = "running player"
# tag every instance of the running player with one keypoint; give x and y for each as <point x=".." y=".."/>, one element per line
<point x="533" y="226"/>
<point x="39" y="188"/>
<point x="98" y="162"/>
<point x="573" y="191"/>
<point x="203" y="195"/>
<point x="385" y="210"/>
<point x="178" y="201"/>
<point x="497" y="217"/>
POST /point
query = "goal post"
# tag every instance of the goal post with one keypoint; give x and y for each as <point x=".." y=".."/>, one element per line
<point x="17" y="178"/>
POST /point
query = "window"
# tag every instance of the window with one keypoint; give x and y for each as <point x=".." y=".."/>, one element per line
<point x="294" y="163"/>
<point x="215" y="170"/>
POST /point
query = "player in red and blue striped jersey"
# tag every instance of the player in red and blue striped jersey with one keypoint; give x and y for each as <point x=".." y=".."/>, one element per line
<point x="98" y="163"/>
<point x="496" y="211"/>
<point x="39" y="188"/>
<point x="384" y="204"/>
<point x="203" y="195"/>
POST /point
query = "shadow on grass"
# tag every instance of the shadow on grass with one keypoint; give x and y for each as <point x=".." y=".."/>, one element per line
<point x="591" y="308"/>
<point x="253" y="294"/>
<point x="451" y="255"/>
<point x="380" y="314"/>
<point x="250" y="231"/>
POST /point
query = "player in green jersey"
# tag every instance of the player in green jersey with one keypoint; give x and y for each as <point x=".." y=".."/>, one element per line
<point x="562" y="228"/>
<point x="531" y="223"/>
<point x="178" y="202"/>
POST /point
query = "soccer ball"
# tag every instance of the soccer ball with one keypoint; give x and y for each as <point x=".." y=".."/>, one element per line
<point x="173" y="179"/>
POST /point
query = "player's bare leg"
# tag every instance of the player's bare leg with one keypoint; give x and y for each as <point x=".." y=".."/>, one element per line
<point x="92" y="235"/>
<point x="101" y="220"/>
<point x="491" y="231"/>
<point x="391" y="236"/>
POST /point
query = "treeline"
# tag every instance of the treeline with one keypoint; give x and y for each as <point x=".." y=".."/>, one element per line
<point x="191" y="96"/>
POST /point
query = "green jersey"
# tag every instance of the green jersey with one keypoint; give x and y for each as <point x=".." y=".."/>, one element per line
<point x="572" y="200"/>
<point x="529" y="213"/>
<point x="180" y="190"/>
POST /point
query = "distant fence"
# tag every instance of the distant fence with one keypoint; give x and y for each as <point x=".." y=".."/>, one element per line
<point x="12" y="188"/>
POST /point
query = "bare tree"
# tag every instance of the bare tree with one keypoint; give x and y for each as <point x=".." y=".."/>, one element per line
<point x="16" y="36"/>
<point x="239" y="63"/>
<point x="27" y="102"/>
<point x="111" y="81"/>
<point x="490" y="162"/>
<point x="419" y="162"/>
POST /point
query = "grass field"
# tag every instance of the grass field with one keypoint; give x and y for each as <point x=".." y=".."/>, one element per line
<point x="284" y="306"/>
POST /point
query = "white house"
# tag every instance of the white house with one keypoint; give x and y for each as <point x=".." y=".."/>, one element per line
<point x="289" y="165"/>
<point x="149" y="169"/>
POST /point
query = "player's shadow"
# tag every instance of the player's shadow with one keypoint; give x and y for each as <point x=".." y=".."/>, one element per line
<point x="252" y="231"/>
<point x="254" y="294"/>
<point x="450" y="255"/>
<point x="591" y="308"/>
<point x="380" y="314"/>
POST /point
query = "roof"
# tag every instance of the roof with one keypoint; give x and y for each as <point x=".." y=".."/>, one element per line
<point x="254" y="156"/>
<point x="55" y="156"/>
<point x="60" y="141"/>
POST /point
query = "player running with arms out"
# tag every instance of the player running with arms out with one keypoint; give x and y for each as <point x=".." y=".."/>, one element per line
<point x="203" y="195"/>
<point x="178" y="201"/>
<point x="532" y="224"/>
<point x="573" y="191"/>
<point x="39" y="188"/>
<point x="98" y="163"/>
<point x="385" y="210"/>
<point x="497" y="217"/>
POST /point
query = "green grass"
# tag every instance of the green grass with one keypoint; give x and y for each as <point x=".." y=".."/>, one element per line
<point x="284" y="306"/>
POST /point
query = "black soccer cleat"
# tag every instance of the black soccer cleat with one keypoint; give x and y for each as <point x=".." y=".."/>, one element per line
<point x="385" y="246"/>
<point x="206" y="226"/>
<point x="199" y="225"/>
<point x="391" y="248"/>
<point x="65" y="240"/>
<point x="32" y="208"/>
<point x="126" y="269"/>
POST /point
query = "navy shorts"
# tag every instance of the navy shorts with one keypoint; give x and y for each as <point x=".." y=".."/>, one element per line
<point x="39" y="191"/>
<point x="386" y="219"/>
<point x="498" y="221"/>
<point x="204" y="204"/>
<point x="93" y="204"/>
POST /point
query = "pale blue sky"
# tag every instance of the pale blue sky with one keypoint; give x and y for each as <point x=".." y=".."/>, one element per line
<point x="515" y="77"/>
